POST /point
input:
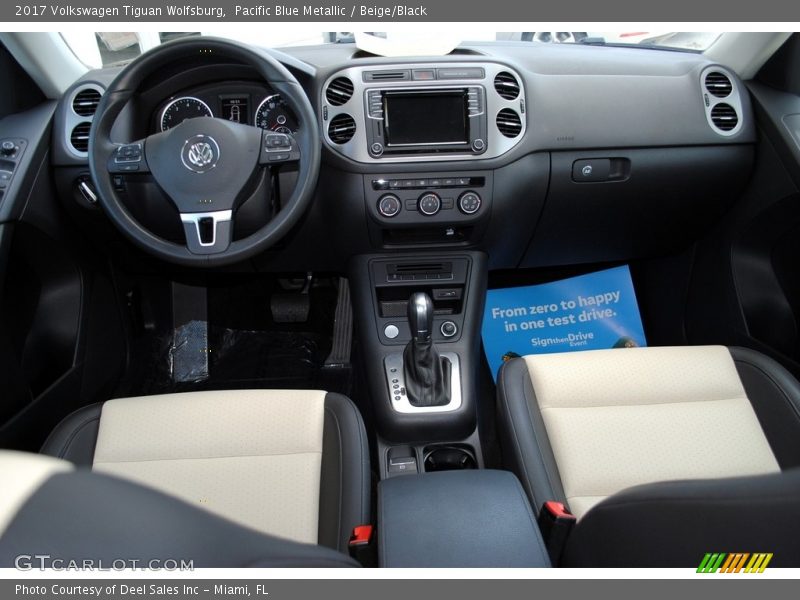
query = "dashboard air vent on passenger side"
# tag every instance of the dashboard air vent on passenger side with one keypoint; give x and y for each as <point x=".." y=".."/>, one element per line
<point x="85" y="102"/>
<point x="79" y="138"/>
<point x="718" y="84"/>
<point x="342" y="128"/>
<point x="506" y="85"/>
<point x="339" y="91"/>
<point x="508" y="122"/>
<point x="724" y="117"/>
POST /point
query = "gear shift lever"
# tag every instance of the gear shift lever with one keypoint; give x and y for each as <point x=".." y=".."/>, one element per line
<point x="420" y="316"/>
<point x="427" y="374"/>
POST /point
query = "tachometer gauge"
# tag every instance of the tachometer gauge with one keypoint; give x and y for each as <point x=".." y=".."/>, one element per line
<point x="180" y="109"/>
<point x="274" y="114"/>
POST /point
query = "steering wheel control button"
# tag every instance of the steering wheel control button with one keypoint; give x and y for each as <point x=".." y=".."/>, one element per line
<point x="376" y="149"/>
<point x="200" y="153"/>
<point x="128" y="153"/>
<point x="389" y="205"/>
<point x="469" y="203"/>
<point x="448" y="329"/>
<point x="429" y="204"/>
<point x="391" y="331"/>
<point x="277" y="142"/>
<point x="279" y="157"/>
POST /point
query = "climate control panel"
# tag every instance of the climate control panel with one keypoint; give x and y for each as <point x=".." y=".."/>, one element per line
<point x="423" y="199"/>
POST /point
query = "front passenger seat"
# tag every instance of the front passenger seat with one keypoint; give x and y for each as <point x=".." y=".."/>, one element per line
<point x="288" y="463"/>
<point x="662" y="454"/>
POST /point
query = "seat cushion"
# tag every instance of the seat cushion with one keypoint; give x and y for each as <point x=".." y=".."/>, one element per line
<point x="285" y="462"/>
<point x="68" y="514"/>
<point x="579" y="427"/>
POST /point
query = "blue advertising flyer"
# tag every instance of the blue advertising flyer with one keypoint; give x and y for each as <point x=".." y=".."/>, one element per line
<point x="588" y="312"/>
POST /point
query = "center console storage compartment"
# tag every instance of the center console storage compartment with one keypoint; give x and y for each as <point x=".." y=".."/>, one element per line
<point x="457" y="519"/>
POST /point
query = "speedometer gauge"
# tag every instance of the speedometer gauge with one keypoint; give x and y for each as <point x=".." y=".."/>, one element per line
<point x="180" y="109"/>
<point x="274" y="114"/>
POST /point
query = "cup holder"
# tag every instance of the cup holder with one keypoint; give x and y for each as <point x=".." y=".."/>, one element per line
<point x="448" y="458"/>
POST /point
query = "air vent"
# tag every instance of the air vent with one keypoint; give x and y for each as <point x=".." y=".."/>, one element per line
<point x="79" y="138"/>
<point x="342" y="128"/>
<point x="387" y="75"/>
<point x="724" y="117"/>
<point x="718" y="84"/>
<point x="506" y="85"/>
<point x="339" y="91"/>
<point x="85" y="102"/>
<point x="508" y="123"/>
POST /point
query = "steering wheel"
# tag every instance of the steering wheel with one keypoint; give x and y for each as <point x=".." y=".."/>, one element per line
<point x="204" y="165"/>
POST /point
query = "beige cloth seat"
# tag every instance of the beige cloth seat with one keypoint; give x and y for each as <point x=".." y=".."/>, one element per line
<point x="289" y="463"/>
<point x="582" y="428"/>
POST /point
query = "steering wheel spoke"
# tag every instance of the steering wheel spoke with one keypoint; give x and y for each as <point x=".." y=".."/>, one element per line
<point x="278" y="148"/>
<point x="128" y="158"/>
<point x="208" y="232"/>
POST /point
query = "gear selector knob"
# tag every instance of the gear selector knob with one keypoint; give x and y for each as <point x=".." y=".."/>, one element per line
<point x="420" y="316"/>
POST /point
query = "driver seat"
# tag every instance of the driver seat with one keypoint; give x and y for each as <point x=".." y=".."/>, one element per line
<point x="289" y="463"/>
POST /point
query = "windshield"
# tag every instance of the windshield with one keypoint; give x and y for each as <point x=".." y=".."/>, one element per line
<point x="119" y="47"/>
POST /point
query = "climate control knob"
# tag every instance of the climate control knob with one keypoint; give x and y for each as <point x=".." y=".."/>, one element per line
<point x="389" y="205"/>
<point x="469" y="203"/>
<point x="429" y="204"/>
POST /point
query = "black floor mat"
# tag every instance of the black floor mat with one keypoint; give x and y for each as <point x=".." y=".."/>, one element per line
<point x="245" y="348"/>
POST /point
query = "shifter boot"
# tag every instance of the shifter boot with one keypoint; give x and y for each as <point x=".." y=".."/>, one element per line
<point x="427" y="374"/>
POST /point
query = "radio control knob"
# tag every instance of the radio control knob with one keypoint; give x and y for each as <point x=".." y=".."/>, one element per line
<point x="429" y="204"/>
<point x="376" y="149"/>
<point x="469" y="203"/>
<point x="389" y="205"/>
<point x="479" y="145"/>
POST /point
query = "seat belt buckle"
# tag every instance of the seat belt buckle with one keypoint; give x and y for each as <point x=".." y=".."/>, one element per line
<point x="361" y="545"/>
<point x="555" y="524"/>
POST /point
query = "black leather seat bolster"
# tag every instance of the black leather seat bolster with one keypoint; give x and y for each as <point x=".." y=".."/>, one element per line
<point x="344" y="500"/>
<point x="673" y="524"/>
<point x="775" y="396"/>
<point x="85" y="515"/>
<point x="526" y="446"/>
<point x="75" y="438"/>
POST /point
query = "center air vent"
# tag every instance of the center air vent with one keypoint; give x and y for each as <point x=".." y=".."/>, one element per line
<point x="506" y="85"/>
<point x="85" y="102"/>
<point x="724" y="117"/>
<point x="79" y="138"/>
<point x="342" y="128"/>
<point x="508" y="122"/>
<point x="402" y="75"/>
<point x="339" y="91"/>
<point x="718" y="84"/>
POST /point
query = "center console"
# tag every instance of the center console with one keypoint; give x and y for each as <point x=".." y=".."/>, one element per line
<point x="419" y="318"/>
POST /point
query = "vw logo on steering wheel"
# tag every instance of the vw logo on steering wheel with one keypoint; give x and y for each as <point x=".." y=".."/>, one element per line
<point x="200" y="153"/>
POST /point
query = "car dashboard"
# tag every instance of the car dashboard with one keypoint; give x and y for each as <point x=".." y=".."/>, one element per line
<point x="539" y="155"/>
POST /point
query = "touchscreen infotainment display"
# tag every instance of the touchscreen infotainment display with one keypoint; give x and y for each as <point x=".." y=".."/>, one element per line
<point x="426" y="118"/>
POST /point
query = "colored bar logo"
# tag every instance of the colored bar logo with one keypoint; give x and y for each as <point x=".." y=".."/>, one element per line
<point x="744" y="562"/>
